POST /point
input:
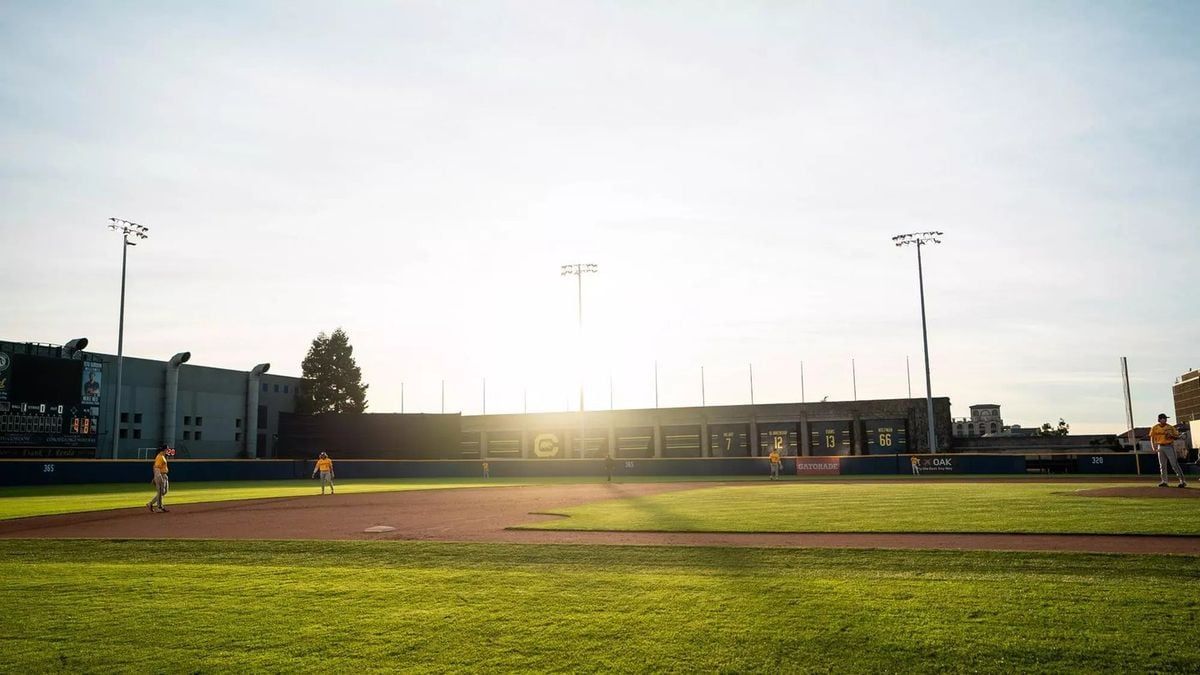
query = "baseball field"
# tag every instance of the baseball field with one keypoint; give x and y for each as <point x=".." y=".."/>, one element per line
<point x="1024" y="575"/>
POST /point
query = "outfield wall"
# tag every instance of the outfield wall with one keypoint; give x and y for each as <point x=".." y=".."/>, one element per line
<point x="76" y="471"/>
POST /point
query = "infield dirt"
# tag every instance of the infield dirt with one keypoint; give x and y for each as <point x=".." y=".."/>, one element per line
<point x="485" y="515"/>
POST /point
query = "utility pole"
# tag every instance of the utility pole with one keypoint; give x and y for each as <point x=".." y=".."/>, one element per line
<point x="854" y="379"/>
<point x="127" y="229"/>
<point x="703" y="398"/>
<point x="920" y="239"/>
<point x="751" y="384"/>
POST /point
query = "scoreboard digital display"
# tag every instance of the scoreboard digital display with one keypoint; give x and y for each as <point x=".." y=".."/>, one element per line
<point x="887" y="437"/>
<point x="831" y="438"/>
<point x="48" y="406"/>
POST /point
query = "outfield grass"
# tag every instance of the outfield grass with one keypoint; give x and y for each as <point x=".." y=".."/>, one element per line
<point x="888" y="507"/>
<point x="204" y="606"/>
<point x="45" y="500"/>
<point x="42" y="500"/>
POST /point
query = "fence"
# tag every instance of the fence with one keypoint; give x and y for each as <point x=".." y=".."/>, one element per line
<point x="78" y="471"/>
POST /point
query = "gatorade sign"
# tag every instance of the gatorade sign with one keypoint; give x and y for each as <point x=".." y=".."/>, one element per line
<point x="818" y="466"/>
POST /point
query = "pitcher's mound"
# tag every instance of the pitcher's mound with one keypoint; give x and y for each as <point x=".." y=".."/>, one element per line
<point x="1149" y="491"/>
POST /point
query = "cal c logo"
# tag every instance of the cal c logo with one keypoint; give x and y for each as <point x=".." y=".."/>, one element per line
<point x="545" y="445"/>
<point x="4" y="361"/>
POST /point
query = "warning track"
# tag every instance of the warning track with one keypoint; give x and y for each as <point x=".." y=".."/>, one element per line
<point x="486" y="514"/>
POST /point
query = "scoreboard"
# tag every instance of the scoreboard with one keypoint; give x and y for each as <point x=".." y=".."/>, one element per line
<point x="48" y="406"/>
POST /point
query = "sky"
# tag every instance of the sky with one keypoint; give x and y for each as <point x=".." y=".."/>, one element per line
<point x="417" y="172"/>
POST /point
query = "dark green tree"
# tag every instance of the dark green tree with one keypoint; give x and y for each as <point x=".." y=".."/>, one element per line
<point x="332" y="380"/>
<point x="1062" y="429"/>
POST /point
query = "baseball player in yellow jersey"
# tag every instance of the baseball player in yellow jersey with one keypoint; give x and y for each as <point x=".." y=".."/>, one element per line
<point x="1162" y="437"/>
<point x="775" y="464"/>
<point x="159" y="480"/>
<point x="325" y="467"/>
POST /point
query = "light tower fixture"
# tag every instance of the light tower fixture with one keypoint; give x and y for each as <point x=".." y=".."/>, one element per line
<point x="578" y="270"/>
<point x="127" y="229"/>
<point x="920" y="239"/>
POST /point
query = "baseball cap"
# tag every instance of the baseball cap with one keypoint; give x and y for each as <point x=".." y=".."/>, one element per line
<point x="1163" y="416"/>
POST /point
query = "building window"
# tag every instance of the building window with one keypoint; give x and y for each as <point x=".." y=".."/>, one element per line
<point x="237" y="436"/>
<point x="285" y="389"/>
<point x="237" y="423"/>
<point x="124" y="433"/>
<point x="276" y="389"/>
<point x="124" y="418"/>
<point x="137" y="418"/>
<point x="198" y="435"/>
<point x="264" y="387"/>
<point x="187" y="420"/>
<point x="199" y="421"/>
<point x="137" y="433"/>
<point x="187" y="435"/>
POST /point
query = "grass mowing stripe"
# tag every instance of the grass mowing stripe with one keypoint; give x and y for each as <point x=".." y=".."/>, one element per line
<point x="224" y="606"/>
<point x="887" y="507"/>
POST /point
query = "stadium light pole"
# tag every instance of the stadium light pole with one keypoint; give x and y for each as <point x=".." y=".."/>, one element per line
<point x="577" y="270"/>
<point x="920" y="239"/>
<point x="127" y="229"/>
<point x="656" y="384"/>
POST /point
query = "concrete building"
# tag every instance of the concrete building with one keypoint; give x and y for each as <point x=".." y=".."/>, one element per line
<point x="203" y="412"/>
<point x="985" y="419"/>
<point x="1186" y="393"/>
<point x="890" y="426"/>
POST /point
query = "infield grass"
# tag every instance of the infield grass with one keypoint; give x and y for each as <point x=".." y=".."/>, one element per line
<point x="879" y="506"/>
<point x="212" y="606"/>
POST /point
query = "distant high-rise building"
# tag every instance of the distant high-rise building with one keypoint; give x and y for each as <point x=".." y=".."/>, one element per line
<point x="1187" y="397"/>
